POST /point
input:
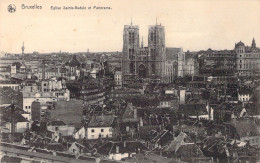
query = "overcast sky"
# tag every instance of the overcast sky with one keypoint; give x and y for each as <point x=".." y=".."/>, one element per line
<point x="192" y="25"/>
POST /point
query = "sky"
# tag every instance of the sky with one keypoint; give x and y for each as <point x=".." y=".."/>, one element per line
<point x="193" y="25"/>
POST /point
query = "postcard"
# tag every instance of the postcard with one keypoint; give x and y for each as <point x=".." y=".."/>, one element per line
<point x="129" y="81"/>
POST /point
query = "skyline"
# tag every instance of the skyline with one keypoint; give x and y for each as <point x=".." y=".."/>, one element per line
<point x="192" y="25"/>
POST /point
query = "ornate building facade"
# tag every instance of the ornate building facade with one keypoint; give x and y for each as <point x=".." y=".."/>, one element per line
<point x="248" y="59"/>
<point x="187" y="64"/>
<point x="145" y="63"/>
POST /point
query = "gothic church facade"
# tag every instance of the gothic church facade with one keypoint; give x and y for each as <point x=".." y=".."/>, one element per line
<point x="145" y="63"/>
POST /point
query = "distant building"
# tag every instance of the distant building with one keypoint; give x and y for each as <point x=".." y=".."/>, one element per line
<point x="248" y="59"/>
<point x="187" y="64"/>
<point x="122" y="149"/>
<point x="43" y="97"/>
<point x="181" y="63"/>
<point x="13" y="120"/>
<point x="100" y="127"/>
<point x="247" y="131"/>
<point x="52" y="84"/>
<point x="13" y="69"/>
<point x="41" y="112"/>
<point x="139" y="62"/>
<point x="220" y="63"/>
<point x="10" y="83"/>
<point x="69" y="112"/>
<point x="118" y="78"/>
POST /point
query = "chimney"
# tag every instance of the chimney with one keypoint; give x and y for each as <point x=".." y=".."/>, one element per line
<point x="117" y="149"/>
<point x="141" y="121"/>
<point x="182" y="96"/>
<point x="43" y="70"/>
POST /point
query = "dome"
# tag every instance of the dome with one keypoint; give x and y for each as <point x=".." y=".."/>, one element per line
<point x="240" y="44"/>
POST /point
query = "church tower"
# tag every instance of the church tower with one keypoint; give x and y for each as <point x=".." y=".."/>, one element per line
<point x="130" y="50"/>
<point x="23" y="49"/>
<point x="253" y="45"/>
<point x="156" y="45"/>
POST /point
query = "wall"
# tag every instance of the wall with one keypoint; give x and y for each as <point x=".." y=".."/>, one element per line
<point x="97" y="131"/>
<point x="81" y="133"/>
<point x="70" y="112"/>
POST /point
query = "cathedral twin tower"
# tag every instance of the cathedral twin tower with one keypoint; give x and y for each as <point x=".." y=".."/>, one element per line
<point x="139" y="62"/>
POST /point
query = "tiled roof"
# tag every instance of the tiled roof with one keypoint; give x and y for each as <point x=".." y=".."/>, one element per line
<point x="55" y="147"/>
<point x="128" y="115"/>
<point x="246" y="128"/>
<point x="124" y="147"/>
<point x="56" y="123"/>
<point x="101" y="121"/>
<point x="74" y="62"/>
<point x="193" y="109"/>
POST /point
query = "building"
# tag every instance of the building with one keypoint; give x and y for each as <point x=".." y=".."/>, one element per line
<point x="43" y="98"/>
<point x="12" y="119"/>
<point x="248" y="59"/>
<point x="69" y="112"/>
<point x="181" y="63"/>
<point x="220" y="63"/>
<point x="118" y="78"/>
<point x="139" y="62"/>
<point x="247" y="131"/>
<point x="52" y="84"/>
<point x="10" y="83"/>
<point x="40" y="112"/>
<point x="100" y="127"/>
<point x="13" y="69"/>
<point x="187" y="64"/>
<point x="121" y="149"/>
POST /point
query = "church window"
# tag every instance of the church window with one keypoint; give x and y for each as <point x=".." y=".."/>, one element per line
<point x="132" y="67"/>
<point x="153" y="68"/>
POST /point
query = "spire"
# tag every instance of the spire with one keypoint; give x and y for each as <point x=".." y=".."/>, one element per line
<point x="253" y="43"/>
<point x="156" y="20"/>
<point x="23" y="49"/>
<point x="131" y="21"/>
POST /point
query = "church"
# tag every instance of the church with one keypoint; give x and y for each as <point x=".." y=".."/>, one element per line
<point x="145" y="64"/>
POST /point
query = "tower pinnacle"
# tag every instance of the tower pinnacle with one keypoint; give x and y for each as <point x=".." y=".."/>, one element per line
<point x="253" y="43"/>
<point x="23" y="49"/>
<point x="142" y="43"/>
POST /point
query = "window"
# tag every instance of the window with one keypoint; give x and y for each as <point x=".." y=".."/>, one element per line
<point x="92" y="136"/>
<point x="102" y="130"/>
<point x="92" y="130"/>
<point x="153" y="68"/>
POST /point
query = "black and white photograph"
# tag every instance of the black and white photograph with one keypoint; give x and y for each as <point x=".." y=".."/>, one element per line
<point x="130" y="81"/>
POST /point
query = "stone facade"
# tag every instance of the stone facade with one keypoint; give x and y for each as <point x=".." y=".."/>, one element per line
<point x="248" y="59"/>
<point x="145" y="63"/>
